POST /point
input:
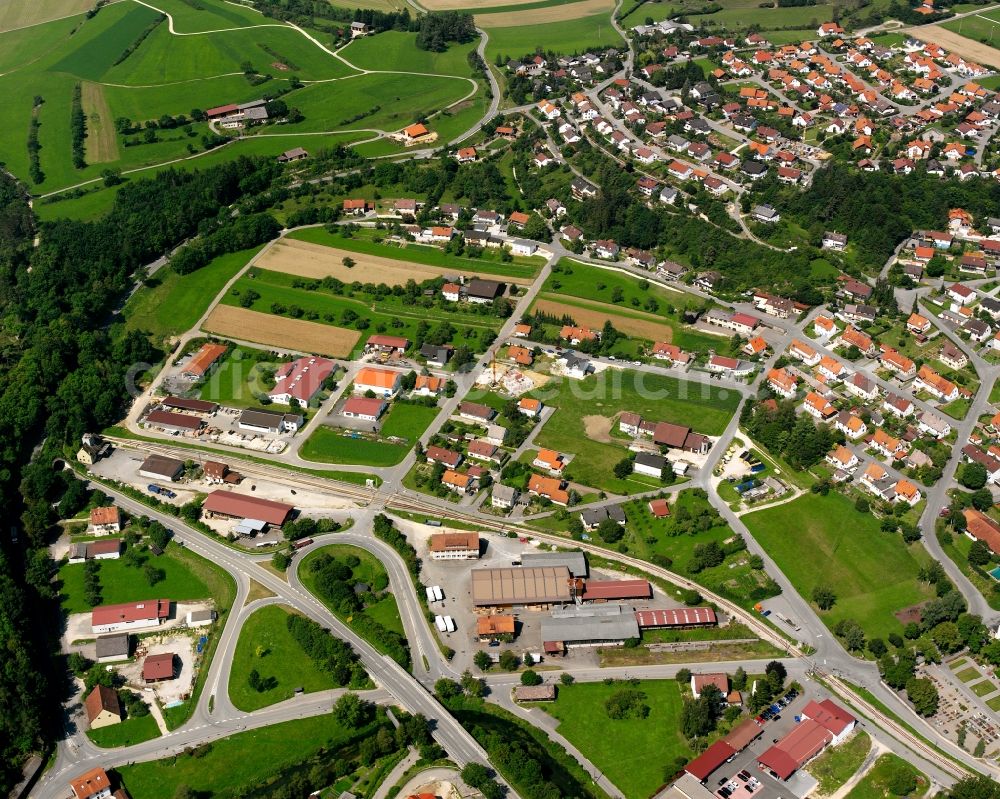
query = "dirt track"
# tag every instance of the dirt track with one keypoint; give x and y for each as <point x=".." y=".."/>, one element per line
<point x="305" y="259"/>
<point x="277" y="331"/>
<point x="545" y="16"/>
<point x="965" y="47"/>
<point x="101" y="142"/>
<point x="594" y="318"/>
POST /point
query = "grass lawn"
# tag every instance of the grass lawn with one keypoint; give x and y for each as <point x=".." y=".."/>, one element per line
<point x="282" y="658"/>
<point x="331" y="445"/>
<point x="620" y="748"/>
<point x="121" y="583"/>
<point x="129" y="732"/>
<point x="994" y="703"/>
<point x="238" y="378"/>
<point x="984" y="688"/>
<point x="226" y="766"/>
<point x="838" y="763"/>
<point x="705" y="408"/>
<point x="369" y="570"/>
<point x="171" y="303"/>
<point x="432" y="256"/>
<point x="409" y="421"/>
<point x="978" y="28"/>
<point x="957" y="409"/>
<point x="818" y="540"/>
<point x="995" y="392"/>
<point x="208" y="15"/>
<point x="969" y="674"/>
<point x="874" y="785"/>
<point x="647" y="536"/>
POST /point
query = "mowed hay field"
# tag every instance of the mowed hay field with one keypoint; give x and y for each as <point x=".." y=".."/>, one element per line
<point x="277" y="331"/>
<point x="593" y="315"/>
<point x="101" y="142"/>
<point x="22" y="13"/>
<point x="970" y="49"/>
<point x="316" y="261"/>
<point x="544" y="16"/>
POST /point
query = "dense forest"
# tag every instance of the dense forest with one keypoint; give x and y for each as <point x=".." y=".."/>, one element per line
<point x="62" y="372"/>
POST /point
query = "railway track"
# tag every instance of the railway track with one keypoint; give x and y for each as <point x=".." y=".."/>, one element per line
<point x="247" y="468"/>
<point x="366" y="496"/>
<point x="838" y="686"/>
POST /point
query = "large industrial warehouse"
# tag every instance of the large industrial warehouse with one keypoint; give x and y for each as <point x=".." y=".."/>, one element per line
<point x="545" y="585"/>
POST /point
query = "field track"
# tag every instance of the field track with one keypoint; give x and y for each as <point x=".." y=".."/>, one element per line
<point x="594" y="318"/>
<point x="964" y="46"/>
<point x="316" y="261"/>
<point x="22" y="13"/>
<point x="102" y="144"/>
<point x="544" y="16"/>
<point x="278" y="331"/>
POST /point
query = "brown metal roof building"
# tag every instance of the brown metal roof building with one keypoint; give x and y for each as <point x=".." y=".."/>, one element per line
<point x="169" y="420"/>
<point x="158" y="667"/>
<point x="188" y="404"/>
<point x="520" y="586"/>
<point x="161" y="468"/>
<point x="604" y="590"/>
<point x="229" y="504"/>
<point x="535" y="693"/>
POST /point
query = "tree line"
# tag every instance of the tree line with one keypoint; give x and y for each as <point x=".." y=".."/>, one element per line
<point x="62" y="373"/>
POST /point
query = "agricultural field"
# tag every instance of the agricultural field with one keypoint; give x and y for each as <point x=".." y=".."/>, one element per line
<point x="620" y="747"/>
<point x="183" y="578"/>
<point x="397" y="50"/>
<point x="572" y="36"/>
<point x="974" y="37"/>
<point x="818" y="540"/>
<point x="131" y="66"/>
<point x="296" y="335"/>
<point x="279" y="294"/>
<point x="766" y="18"/>
<point x="588" y="410"/>
<point x="635" y="307"/>
<point x="266" y="645"/>
<point x="14" y="16"/>
<point x="96" y="200"/>
<point x="170" y="304"/>
<point x="542" y="14"/>
<point x="210" y="15"/>
<point x="433" y="261"/>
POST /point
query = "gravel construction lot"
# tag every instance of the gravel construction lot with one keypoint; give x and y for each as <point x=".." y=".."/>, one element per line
<point x="316" y="261"/>
<point x="277" y="331"/>
<point x="544" y="16"/>
<point x="967" y="48"/>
